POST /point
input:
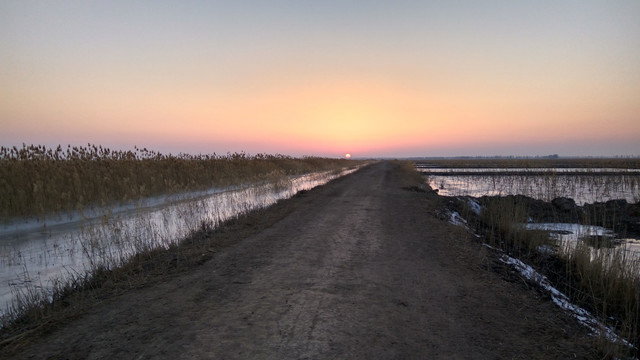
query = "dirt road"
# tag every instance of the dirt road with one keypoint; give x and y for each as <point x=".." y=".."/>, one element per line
<point x="357" y="269"/>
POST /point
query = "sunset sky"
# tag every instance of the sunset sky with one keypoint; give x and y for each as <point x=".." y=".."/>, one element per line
<point x="370" y="78"/>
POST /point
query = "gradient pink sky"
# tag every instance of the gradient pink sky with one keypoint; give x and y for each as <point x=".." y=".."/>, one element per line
<point x="376" y="78"/>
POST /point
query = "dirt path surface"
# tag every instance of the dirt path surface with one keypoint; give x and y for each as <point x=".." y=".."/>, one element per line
<point x="357" y="269"/>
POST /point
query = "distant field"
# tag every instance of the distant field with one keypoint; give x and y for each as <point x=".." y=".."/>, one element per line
<point x="618" y="163"/>
<point x="584" y="180"/>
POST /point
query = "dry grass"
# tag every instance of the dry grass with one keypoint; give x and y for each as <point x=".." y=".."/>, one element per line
<point x="500" y="217"/>
<point x="606" y="281"/>
<point x="35" y="180"/>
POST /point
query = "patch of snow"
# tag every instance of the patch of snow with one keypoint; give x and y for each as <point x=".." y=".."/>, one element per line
<point x="474" y="205"/>
<point x="491" y="247"/>
<point x="563" y="302"/>
<point x="458" y="220"/>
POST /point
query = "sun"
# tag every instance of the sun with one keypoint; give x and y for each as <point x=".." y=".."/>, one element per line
<point x="347" y="156"/>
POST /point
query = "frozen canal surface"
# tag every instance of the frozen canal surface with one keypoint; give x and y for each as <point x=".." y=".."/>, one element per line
<point x="582" y="185"/>
<point x="569" y="235"/>
<point x="33" y="256"/>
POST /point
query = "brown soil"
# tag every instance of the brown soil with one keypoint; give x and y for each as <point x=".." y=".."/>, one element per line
<point x="358" y="269"/>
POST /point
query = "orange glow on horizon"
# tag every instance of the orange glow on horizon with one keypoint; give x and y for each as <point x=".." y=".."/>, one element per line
<point x="376" y="79"/>
<point x="368" y="117"/>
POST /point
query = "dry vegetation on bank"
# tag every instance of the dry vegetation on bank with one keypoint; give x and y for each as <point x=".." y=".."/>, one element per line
<point x="607" y="283"/>
<point x="35" y="180"/>
<point x="36" y="313"/>
<point x="604" y="281"/>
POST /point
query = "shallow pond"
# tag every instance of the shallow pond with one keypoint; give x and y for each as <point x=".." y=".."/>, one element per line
<point x="33" y="256"/>
<point x="602" y="241"/>
<point x="583" y="185"/>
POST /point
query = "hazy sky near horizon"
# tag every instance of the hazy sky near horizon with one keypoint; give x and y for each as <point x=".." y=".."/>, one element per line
<point x="373" y="78"/>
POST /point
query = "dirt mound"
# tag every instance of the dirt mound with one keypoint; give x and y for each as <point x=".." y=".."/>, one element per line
<point x="618" y="215"/>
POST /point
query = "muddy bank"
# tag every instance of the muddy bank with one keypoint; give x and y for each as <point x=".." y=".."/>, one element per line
<point x="620" y="216"/>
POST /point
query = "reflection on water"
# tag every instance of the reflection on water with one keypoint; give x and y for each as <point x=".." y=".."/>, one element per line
<point x="602" y="240"/>
<point x="586" y="171"/>
<point x="584" y="185"/>
<point x="570" y="232"/>
<point x="33" y="256"/>
<point x="588" y="188"/>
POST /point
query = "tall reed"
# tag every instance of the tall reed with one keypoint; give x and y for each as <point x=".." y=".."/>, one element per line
<point x="35" y="180"/>
<point x="610" y="279"/>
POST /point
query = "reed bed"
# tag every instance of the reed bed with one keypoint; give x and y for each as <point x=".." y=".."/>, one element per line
<point x="608" y="282"/>
<point x="35" y="180"/>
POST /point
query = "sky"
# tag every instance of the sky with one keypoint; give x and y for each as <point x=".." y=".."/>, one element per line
<point x="324" y="78"/>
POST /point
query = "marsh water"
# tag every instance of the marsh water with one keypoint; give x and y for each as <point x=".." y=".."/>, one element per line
<point x="582" y="185"/>
<point x="35" y="255"/>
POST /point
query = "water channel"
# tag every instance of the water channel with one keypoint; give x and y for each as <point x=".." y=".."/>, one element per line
<point x="34" y="255"/>
<point x="582" y="185"/>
